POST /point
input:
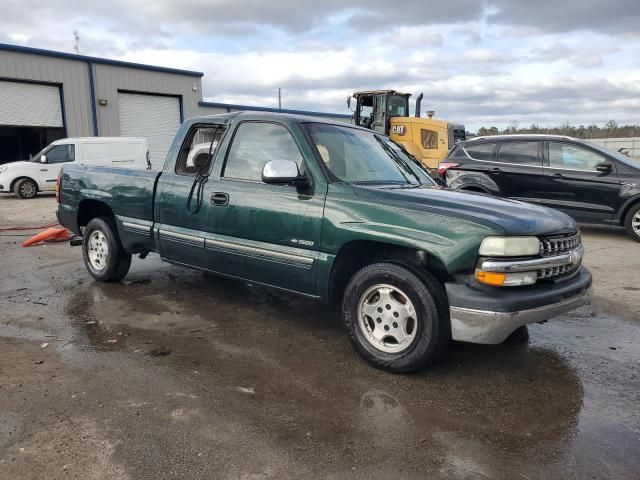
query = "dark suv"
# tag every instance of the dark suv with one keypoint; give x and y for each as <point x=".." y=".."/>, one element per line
<point x="587" y="181"/>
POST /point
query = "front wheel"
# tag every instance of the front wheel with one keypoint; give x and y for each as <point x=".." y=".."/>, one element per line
<point x="632" y="222"/>
<point x="26" y="188"/>
<point x="102" y="251"/>
<point x="397" y="321"/>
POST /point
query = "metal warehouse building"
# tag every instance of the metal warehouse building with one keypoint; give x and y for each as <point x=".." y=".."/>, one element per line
<point x="47" y="95"/>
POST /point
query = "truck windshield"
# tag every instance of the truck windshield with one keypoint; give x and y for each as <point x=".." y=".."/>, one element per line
<point x="617" y="155"/>
<point x="357" y="156"/>
<point x="397" y="106"/>
<point x="36" y="157"/>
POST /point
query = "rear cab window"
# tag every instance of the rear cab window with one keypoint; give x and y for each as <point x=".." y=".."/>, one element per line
<point x="199" y="149"/>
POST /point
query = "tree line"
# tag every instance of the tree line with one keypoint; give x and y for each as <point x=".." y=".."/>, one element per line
<point x="610" y="130"/>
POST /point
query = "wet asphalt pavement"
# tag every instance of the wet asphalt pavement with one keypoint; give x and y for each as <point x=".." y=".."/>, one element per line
<point x="176" y="374"/>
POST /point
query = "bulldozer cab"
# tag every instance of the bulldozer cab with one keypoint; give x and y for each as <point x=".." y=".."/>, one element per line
<point x="375" y="108"/>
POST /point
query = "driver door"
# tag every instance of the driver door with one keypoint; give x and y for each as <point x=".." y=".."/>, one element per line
<point x="48" y="172"/>
<point x="264" y="233"/>
<point x="379" y="114"/>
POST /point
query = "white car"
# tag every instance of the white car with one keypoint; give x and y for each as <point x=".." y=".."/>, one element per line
<point x="39" y="174"/>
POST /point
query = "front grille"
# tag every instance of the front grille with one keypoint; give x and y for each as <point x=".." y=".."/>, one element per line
<point x="550" y="246"/>
<point x="557" y="272"/>
<point x="557" y="245"/>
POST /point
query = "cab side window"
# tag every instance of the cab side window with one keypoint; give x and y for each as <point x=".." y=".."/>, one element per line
<point x="61" y="153"/>
<point x="255" y="144"/>
<point x="522" y="153"/>
<point x="572" y="157"/>
<point x="199" y="149"/>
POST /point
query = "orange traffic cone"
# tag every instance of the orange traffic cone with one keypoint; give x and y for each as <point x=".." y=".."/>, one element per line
<point x="55" y="234"/>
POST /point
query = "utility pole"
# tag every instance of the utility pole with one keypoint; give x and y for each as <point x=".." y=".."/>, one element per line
<point x="279" y="98"/>
<point x="76" y="43"/>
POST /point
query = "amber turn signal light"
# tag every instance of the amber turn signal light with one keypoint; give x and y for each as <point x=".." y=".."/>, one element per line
<point x="491" y="278"/>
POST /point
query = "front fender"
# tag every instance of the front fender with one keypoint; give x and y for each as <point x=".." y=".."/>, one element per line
<point x="622" y="211"/>
<point x="451" y="239"/>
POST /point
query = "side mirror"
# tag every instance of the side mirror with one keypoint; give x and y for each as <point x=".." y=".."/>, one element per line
<point x="283" y="172"/>
<point x="604" y="167"/>
<point x="43" y="159"/>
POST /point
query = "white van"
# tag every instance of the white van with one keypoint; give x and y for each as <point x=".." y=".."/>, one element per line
<point x="39" y="174"/>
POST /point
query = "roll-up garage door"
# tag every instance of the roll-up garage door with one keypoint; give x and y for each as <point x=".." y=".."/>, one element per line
<point x="153" y="117"/>
<point x="30" y="105"/>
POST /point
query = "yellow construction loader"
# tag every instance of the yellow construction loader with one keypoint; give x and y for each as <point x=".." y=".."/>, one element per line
<point x="387" y="112"/>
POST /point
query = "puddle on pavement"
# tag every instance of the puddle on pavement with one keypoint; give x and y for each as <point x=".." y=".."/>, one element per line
<point x="296" y="357"/>
<point x="309" y="390"/>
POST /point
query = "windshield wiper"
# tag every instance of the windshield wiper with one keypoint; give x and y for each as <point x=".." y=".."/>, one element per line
<point x="396" y="158"/>
<point x="380" y="182"/>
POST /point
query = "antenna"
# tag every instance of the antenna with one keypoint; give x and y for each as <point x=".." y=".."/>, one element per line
<point x="279" y="99"/>
<point x="76" y="43"/>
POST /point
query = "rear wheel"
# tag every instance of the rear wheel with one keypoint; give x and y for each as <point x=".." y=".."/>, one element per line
<point x="26" y="188"/>
<point x="632" y="222"/>
<point x="103" y="255"/>
<point x="396" y="320"/>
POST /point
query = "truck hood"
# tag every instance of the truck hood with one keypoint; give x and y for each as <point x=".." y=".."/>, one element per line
<point x="514" y="217"/>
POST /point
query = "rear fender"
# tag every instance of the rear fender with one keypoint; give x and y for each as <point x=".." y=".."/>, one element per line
<point x="458" y="180"/>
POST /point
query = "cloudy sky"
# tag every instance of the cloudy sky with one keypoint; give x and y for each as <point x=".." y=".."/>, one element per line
<point x="497" y="62"/>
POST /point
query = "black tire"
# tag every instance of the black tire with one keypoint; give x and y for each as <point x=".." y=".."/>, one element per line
<point x="25" y="188"/>
<point x="432" y="325"/>
<point x="633" y="215"/>
<point x="114" y="261"/>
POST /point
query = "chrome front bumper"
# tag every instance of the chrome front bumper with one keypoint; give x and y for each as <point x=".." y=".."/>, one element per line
<point x="490" y="327"/>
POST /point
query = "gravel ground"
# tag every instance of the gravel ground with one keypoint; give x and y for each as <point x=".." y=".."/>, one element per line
<point x="176" y="374"/>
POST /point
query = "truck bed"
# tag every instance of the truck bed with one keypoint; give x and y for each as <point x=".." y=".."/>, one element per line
<point x="128" y="192"/>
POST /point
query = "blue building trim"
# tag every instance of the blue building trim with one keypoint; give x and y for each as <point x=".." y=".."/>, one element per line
<point x="63" y="111"/>
<point x="103" y="61"/>
<point x="92" y="91"/>
<point x="229" y="106"/>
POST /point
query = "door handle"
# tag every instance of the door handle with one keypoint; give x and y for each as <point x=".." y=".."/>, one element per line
<point x="558" y="175"/>
<point x="44" y="169"/>
<point x="495" y="170"/>
<point x="220" y="199"/>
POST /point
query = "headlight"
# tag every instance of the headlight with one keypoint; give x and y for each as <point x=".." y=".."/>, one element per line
<point x="509" y="246"/>
<point x="4" y="168"/>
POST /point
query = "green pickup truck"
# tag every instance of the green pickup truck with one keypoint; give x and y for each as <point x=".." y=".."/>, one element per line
<point x="337" y="213"/>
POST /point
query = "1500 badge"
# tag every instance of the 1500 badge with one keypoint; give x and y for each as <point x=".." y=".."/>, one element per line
<point x="306" y="243"/>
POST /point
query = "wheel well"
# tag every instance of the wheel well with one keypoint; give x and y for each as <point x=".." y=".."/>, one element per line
<point x="355" y="255"/>
<point x="623" y="215"/>
<point x="16" y="180"/>
<point x="90" y="209"/>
